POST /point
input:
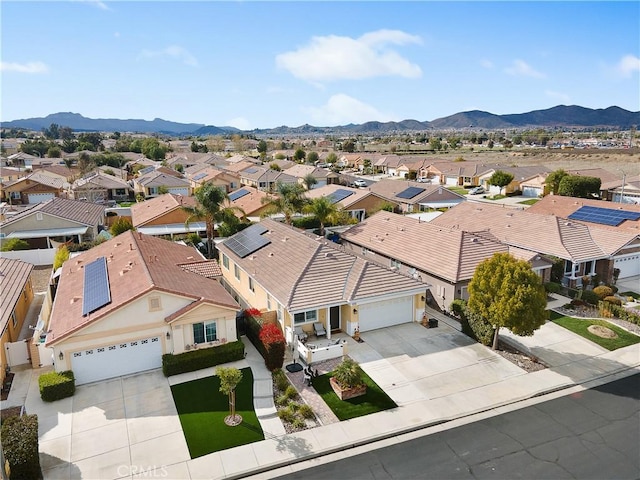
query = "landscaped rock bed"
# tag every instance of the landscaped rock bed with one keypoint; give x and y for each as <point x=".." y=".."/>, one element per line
<point x="294" y="413"/>
<point x="518" y="358"/>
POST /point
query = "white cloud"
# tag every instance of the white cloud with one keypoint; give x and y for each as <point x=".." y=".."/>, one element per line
<point x="484" y="63"/>
<point x="239" y="122"/>
<point x="628" y="64"/>
<point x="173" y="51"/>
<point x="564" y="98"/>
<point x="335" y="58"/>
<point x="342" y="109"/>
<point x="96" y="3"/>
<point x="29" y="67"/>
<point x="520" y="68"/>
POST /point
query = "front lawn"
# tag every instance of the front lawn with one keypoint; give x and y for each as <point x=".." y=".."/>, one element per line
<point x="581" y="325"/>
<point x="531" y="201"/>
<point x="630" y="294"/>
<point x="375" y="400"/>
<point x="202" y="408"/>
<point x="458" y="190"/>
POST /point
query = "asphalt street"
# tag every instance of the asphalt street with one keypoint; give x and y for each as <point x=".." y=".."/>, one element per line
<point x="593" y="434"/>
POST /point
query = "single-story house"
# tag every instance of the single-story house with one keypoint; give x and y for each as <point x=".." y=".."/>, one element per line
<point x="251" y="201"/>
<point x="222" y="178"/>
<point x="34" y="188"/>
<point x="164" y="215"/>
<point x="443" y="258"/>
<point x="101" y="187"/>
<point x="356" y="201"/>
<point x="151" y="183"/>
<point x="264" y="179"/>
<point x="585" y="248"/>
<point x="17" y="295"/>
<point x="56" y="220"/>
<point x="414" y="196"/>
<point x="305" y="279"/>
<point x="323" y="176"/>
<point x="123" y="304"/>
<point x="520" y="174"/>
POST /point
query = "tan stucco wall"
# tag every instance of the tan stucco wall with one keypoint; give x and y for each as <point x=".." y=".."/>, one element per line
<point x="182" y="333"/>
<point x="175" y="216"/>
<point x="12" y="332"/>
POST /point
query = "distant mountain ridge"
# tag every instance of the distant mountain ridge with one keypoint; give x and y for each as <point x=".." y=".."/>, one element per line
<point x="560" y="116"/>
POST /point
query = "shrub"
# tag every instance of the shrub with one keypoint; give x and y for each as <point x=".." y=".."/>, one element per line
<point x="282" y="400"/>
<point x="613" y="300"/>
<point x="552" y="287"/>
<point x="613" y="288"/>
<point x="298" y="422"/>
<point x="348" y="374"/>
<point x="306" y="411"/>
<point x="291" y="392"/>
<point x="274" y="346"/>
<point x="20" y="447"/>
<point x="14" y="244"/>
<point x="480" y="329"/>
<point x="609" y="309"/>
<point x="602" y="291"/>
<point x="56" y="385"/>
<point x="457" y="307"/>
<point x="199" y="359"/>
<point x="61" y="256"/>
<point x="286" y="415"/>
<point x="281" y="380"/>
<point x="590" y="297"/>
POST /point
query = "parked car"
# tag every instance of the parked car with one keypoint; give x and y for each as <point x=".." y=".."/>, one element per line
<point x="359" y="183"/>
<point x="476" y="191"/>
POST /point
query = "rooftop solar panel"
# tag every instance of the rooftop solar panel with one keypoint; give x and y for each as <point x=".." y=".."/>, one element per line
<point x="248" y="240"/>
<point x="199" y="176"/>
<point x="251" y="170"/>
<point x="339" y="195"/>
<point x="410" y="192"/>
<point x="603" y="216"/>
<point x="233" y="196"/>
<point x="96" y="293"/>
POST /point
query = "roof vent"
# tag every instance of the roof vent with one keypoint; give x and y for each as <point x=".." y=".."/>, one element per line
<point x="271" y="254"/>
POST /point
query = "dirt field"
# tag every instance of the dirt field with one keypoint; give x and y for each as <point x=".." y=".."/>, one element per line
<point x="611" y="160"/>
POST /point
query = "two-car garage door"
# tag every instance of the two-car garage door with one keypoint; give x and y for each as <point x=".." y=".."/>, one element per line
<point x="629" y="265"/>
<point x="115" y="360"/>
<point x="385" y="313"/>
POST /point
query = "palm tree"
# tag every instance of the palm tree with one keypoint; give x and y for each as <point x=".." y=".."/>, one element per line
<point x="210" y="208"/>
<point x="289" y="200"/>
<point x="324" y="210"/>
<point x="309" y="181"/>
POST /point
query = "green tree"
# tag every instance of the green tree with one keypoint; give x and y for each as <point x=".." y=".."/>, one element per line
<point x="90" y="141"/>
<point x="69" y="145"/>
<point x="435" y="143"/>
<point x="14" y="244"/>
<point x="262" y="147"/>
<point x="61" y="256"/>
<point x="212" y="207"/>
<point x="349" y="146"/>
<point x="275" y="166"/>
<point x="312" y="158"/>
<point x="501" y="179"/>
<point x="580" y="187"/>
<point x="324" y="210"/>
<point x="554" y="179"/>
<point x="151" y="148"/>
<point x="506" y="292"/>
<point x="54" y="152"/>
<point x="288" y="200"/>
<point x="299" y="155"/>
<point x="332" y="158"/>
<point x="309" y="181"/>
<point x="229" y="379"/>
<point x="120" y="225"/>
<point x="53" y="132"/>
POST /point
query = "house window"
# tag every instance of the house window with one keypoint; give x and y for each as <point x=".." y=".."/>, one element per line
<point x="153" y="190"/>
<point x="588" y="267"/>
<point x="155" y="304"/>
<point x="39" y="216"/>
<point x="16" y="196"/>
<point x="204" y="332"/>
<point x="252" y="286"/>
<point x="14" y="319"/>
<point x="225" y="261"/>
<point x="568" y="267"/>
<point x="306" y="317"/>
<point x="236" y="272"/>
<point x="268" y="302"/>
<point x="280" y="313"/>
<point x="121" y="191"/>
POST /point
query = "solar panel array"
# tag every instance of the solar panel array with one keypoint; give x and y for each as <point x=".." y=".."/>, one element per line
<point x="248" y="240"/>
<point x="410" y="192"/>
<point x="233" y="196"/>
<point x="146" y="170"/>
<point x="96" y="293"/>
<point x="603" y="216"/>
<point x="339" y="195"/>
<point x="199" y="176"/>
<point x="251" y="170"/>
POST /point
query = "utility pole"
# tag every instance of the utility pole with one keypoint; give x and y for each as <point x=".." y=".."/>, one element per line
<point x="624" y="178"/>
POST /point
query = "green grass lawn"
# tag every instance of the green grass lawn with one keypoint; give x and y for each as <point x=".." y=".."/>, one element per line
<point x="531" y="201"/>
<point x="580" y="325"/>
<point x="630" y="294"/>
<point x="375" y="400"/>
<point x="458" y="190"/>
<point x="202" y="408"/>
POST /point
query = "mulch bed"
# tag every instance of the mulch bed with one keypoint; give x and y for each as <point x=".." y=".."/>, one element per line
<point x="526" y="362"/>
<point x="6" y="386"/>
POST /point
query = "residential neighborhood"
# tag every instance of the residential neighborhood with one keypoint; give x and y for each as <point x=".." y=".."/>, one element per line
<point x="136" y="282"/>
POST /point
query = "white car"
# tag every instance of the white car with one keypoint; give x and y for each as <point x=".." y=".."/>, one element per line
<point x="476" y="191"/>
<point x="359" y="183"/>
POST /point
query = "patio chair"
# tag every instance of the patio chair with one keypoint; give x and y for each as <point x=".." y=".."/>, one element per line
<point x="302" y="336"/>
<point x="319" y="330"/>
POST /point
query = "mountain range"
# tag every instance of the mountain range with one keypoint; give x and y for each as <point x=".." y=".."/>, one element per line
<point x="561" y="116"/>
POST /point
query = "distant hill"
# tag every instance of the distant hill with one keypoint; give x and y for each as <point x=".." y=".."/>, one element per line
<point x="561" y="116"/>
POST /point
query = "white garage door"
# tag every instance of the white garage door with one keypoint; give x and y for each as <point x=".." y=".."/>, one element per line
<point x="629" y="265"/>
<point x="116" y="360"/>
<point x="531" y="191"/>
<point x="40" y="197"/>
<point x="385" y="313"/>
<point x="184" y="191"/>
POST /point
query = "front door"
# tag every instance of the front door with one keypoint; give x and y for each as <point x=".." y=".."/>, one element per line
<point x="334" y="318"/>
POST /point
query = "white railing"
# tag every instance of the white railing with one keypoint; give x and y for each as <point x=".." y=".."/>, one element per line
<point x="313" y="352"/>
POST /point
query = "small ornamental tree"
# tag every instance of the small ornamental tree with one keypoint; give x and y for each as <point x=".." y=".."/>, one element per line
<point x="501" y="179"/>
<point x="121" y="225"/>
<point x="274" y="343"/>
<point x="229" y="380"/>
<point x="61" y="256"/>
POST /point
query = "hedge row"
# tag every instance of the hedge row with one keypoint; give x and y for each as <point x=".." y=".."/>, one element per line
<point x="199" y="359"/>
<point x="20" y="447"/>
<point x="609" y="309"/>
<point x="56" y="385"/>
<point x="273" y="352"/>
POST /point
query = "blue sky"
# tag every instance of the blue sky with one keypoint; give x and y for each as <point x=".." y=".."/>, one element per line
<point x="254" y="64"/>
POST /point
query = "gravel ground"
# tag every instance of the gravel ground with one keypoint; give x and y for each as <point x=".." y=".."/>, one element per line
<point x="40" y="278"/>
<point x="527" y="363"/>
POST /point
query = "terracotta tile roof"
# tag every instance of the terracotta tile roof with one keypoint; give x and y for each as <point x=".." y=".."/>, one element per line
<point x="160" y="179"/>
<point x="238" y="167"/>
<point x="101" y="180"/>
<point x="327" y="190"/>
<point x="304" y="273"/>
<point x="301" y="171"/>
<point x="390" y="189"/>
<point x="14" y="275"/>
<point x="136" y="264"/>
<point x="42" y="179"/>
<point x="564" y="206"/>
<point x="451" y="254"/>
<point x="206" y="268"/>
<point x="251" y="202"/>
<point x="144" y="212"/>
<point x="546" y="234"/>
<point x="86" y="213"/>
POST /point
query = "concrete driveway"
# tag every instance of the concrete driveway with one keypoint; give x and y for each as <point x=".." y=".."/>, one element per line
<point x="413" y="363"/>
<point x="112" y="429"/>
